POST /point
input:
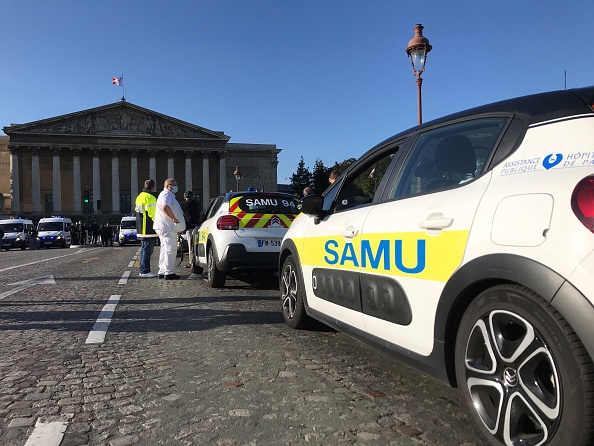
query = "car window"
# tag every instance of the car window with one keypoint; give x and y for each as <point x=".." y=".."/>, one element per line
<point x="448" y="156"/>
<point x="214" y="206"/>
<point x="360" y="185"/>
<point x="264" y="204"/>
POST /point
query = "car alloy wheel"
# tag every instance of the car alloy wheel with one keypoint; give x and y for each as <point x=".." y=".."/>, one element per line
<point x="518" y="368"/>
<point x="216" y="278"/>
<point x="292" y="296"/>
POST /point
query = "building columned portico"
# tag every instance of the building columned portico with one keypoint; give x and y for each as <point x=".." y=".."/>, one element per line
<point x="94" y="162"/>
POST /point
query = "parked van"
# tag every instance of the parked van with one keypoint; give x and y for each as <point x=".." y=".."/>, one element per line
<point x="127" y="231"/>
<point x="17" y="232"/>
<point x="54" y="231"/>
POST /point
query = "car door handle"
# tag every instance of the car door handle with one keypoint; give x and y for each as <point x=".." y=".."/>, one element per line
<point x="349" y="232"/>
<point x="436" y="221"/>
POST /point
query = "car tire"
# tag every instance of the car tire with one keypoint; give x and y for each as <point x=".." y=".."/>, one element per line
<point x="216" y="278"/>
<point x="292" y="296"/>
<point x="523" y="372"/>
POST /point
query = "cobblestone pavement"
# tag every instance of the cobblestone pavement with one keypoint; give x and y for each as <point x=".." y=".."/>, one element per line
<point x="183" y="364"/>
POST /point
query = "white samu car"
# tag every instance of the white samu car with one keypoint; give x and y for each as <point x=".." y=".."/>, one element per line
<point x="465" y="247"/>
<point x="242" y="230"/>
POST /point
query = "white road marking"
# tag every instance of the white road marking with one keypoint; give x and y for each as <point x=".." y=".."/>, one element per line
<point x="47" y="434"/>
<point x="24" y="284"/>
<point x="46" y="260"/>
<point x="99" y="330"/>
<point x="124" y="279"/>
<point x="131" y="264"/>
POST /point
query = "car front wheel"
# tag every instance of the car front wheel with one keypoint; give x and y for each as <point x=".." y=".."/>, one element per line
<point x="523" y="372"/>
<point x="292" y="296"/>
<point x="216" y="278"/>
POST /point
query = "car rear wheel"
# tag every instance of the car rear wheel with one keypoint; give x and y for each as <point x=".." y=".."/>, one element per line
<point x="292" y="296"/>
<point x="216" y="278"/>
<point x="523" y="372"/>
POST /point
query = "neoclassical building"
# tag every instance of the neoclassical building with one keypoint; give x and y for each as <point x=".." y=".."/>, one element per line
<point x="94" y="162"/>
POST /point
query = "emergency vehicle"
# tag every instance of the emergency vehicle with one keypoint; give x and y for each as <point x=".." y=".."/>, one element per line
<point x="242" y="230"/>
<point x="54" y="231"/>
<point x="17" y="232"/>
<point x="465" y="248"/>
<point x="127" y="233"/>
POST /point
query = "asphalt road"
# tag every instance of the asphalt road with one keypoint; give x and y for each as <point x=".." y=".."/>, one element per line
<point x="90" y="354"/>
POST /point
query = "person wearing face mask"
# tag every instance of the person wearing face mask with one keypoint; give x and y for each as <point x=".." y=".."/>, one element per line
<point x="169" y="220"/>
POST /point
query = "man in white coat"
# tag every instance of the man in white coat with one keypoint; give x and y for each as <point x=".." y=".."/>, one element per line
<point x="169" y="220"/>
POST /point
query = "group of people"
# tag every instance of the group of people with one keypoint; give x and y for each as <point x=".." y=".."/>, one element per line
<point x="92" y="234"/>
<point x="163" y="218"/>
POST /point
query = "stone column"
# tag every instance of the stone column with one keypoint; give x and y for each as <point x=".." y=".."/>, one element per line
<point x="205" y="180"/>
<point x="15" y="206"/>
<point x="133" y="176"/>
<point x="222" y="172"/>
<point x="170" y="165"/>
<point x="56" y="181"/>
<point x="115" y="181"/>
<point x="188" y="169"/>
<point x="35" y="185"/>
<point x="153" y="166"/>
<point x="76" y="198"/>
<point x="96" y="178"/>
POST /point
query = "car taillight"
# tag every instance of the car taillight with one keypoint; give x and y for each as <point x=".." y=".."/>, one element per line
<point x="228" y="222"/>
<point x="582" y="202"/>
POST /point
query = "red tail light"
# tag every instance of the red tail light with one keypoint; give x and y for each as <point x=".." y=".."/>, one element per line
<point x="228" y="222"/>
<point x="582" y="202"/>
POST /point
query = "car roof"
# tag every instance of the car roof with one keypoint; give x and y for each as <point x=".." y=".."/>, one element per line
<point x="538" y="108"/>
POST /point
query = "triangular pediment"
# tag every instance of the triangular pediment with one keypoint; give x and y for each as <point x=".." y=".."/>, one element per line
<point x="118" y="119"/>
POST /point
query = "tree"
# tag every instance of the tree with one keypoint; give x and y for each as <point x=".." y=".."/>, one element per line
<point x="320" y="177"/>
<point x="302" y="178"/>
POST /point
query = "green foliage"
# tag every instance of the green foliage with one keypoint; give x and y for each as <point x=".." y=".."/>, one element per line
<point x="320" y="177"/>
<point x="302" y="178"/>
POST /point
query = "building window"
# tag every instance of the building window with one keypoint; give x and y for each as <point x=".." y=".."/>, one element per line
<point x="125" y="203"/>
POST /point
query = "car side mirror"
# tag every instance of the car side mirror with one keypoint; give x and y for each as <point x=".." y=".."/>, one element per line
<point x="312" y="205"/>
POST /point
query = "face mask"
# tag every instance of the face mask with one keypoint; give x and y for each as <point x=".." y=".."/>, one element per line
<point x="174" y="189"/>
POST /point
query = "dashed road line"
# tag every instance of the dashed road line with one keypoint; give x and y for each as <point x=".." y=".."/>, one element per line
<point x="124" y="279"/>
<point x="99" y="330"/>
<point x="47" y="434"/>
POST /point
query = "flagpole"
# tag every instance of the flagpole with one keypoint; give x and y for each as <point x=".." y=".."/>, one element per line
<point x="124" y="89"/>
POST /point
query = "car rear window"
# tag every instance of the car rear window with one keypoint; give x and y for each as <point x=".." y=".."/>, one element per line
<point x="264" y="204"/>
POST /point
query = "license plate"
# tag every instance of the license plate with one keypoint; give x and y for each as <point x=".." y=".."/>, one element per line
<point x="268" y="243"/>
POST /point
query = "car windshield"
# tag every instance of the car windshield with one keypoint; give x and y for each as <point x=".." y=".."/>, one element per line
<point x="128" y="224"/>
<point x="265" y="204"/>
<point x="50" y="226"/>
<point x="11" y="227"/>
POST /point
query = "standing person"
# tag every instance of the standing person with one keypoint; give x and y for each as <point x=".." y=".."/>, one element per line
<point x="169" y="220"/>
<point x="83" y="233"/>
<point x="191" y="210"/>
<point x="307" y="191"/>
<point x="146" y="205"/>
<point x="95" y="232"/>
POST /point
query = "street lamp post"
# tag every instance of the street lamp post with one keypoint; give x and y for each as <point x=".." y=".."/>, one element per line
<point x="237" y="174"/>
<point x="417" y="50"/>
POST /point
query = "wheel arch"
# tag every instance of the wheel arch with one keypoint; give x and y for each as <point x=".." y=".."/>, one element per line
<point x="475" y="277"/>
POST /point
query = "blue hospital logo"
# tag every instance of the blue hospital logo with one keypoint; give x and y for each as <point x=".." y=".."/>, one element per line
<point x="552" y="160"/>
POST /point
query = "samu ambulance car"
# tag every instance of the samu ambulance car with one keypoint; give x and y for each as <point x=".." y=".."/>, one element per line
<point x="465" y="248"/>
<point x="54" y="231"/>
<point x="242" y="230"/>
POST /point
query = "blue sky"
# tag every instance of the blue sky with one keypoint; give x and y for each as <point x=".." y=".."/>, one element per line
<point x="323" y="79"/>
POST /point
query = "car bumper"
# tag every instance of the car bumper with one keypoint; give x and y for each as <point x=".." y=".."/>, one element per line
<point x="236" y="257"/>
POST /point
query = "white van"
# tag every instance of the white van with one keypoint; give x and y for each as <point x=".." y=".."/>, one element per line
<point x="54" y="231"/>
<point x="17" y="232"/>
<point x="127" y="231"/>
